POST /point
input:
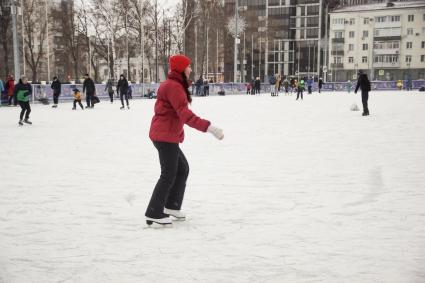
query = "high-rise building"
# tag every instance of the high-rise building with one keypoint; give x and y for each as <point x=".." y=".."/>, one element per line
<point x="285" y="37"/>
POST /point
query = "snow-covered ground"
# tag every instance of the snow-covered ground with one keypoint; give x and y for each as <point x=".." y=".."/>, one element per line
<point x="298" y="191"/>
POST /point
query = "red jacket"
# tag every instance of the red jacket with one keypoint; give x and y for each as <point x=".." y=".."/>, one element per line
<point x="10" y="85"/>
<point x="172" y="112"/>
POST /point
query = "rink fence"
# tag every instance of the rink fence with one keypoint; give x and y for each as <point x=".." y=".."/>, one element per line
<point x="142" y="90"/>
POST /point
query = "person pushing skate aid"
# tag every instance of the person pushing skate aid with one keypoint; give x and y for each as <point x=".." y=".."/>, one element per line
<point x="166" y="132"/>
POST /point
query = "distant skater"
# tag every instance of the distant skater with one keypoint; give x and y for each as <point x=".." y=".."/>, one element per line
<point x="122" y="88"/>
<point x="364" y="84"/>
<point x="23" y="92"/>
<point x="77" y="99"/>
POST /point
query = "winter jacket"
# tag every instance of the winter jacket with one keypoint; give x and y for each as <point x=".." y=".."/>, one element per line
<point x="310" y="82"/>
<point x="56" y="86"/>
<point x="77" y="95"/>
<point x="122" y="86"/>
<point x="88" y="86"/>
<point x="320" y="83"/>
<point x="172" y="112"/>
<point x="301" y="85"/>
<point x="1" y="87"/>
<point x="363" y="83"/>
<point x="109" y="87"/>
<point x="10" y="87"/>
<point x="23" y="92"/>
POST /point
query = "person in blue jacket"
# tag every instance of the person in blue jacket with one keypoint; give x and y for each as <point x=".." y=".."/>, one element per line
<point x="310" y="85"/>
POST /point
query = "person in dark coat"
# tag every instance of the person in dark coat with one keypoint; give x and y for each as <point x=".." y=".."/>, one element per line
<point x="109" y="88"/>
<point x="23" y="92"/>
<point x="198" y="85"/>
<point x="90" y="90"/>
<point x="364" y="84"/>
<point x="166" y="132"/>
<point x="56" y="86"/>
<point x="122" y="88"/>
<point x="320" y="84"/>
<point x="257" y="85"/>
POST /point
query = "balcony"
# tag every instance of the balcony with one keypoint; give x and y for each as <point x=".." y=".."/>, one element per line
<point x="338" y="40"/>
<point x="386" y="65"/>
<point x="337" y="52"/>
<point x="387" y="37"/>
<point x="337" y="65"/>
<point x="395" y="51"/>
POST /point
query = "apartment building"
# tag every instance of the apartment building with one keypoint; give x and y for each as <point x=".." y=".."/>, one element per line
<point x="385" y="39"/>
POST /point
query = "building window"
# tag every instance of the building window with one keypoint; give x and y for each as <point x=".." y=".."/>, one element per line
<point x="352" y="21"/>
<point x="394" y="18"/>
<point x="409" y="31"/>
<point x="366" y="20"/>
<point x="338" y="34"/>
<point x="351" y="34"/>
<point x="409" y="45"/>
<point x="337" y="60"/>
<point x="338" y="21"/>
<point x="365" y="33"/>
<point x="423" y="17"/>
<point x="410" y="18"/>
<point x="422" y="58"/>
<point x="423" y="44"/>
<point x="350" y="47"/>
<point x="408" y="58"/>
<point x="381" y="19"/>
<point x="350" y="59"/>
<point x="364" y="59"/>
<point x="365" y="47"/>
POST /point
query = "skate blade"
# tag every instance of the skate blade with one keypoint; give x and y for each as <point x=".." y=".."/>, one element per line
<point x="178" y="219"/>
<point x="155" y="225"/>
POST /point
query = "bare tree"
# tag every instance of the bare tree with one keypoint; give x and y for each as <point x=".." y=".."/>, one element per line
<point x="35" y="34"/>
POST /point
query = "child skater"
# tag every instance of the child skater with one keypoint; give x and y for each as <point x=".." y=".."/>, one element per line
<point x="166" y="132"/>
<point x="77" y="99"/>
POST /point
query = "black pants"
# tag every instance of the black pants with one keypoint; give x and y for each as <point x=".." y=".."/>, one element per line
<point x="89" y="99"/>
<point x="55" y="98"/>
<point x="170" y="188"/>
<point x="79" y="102"/>
<point x="26" y="109"/>
<point x="111" y="96"/>
<point x="365" y="98"/>
<point x="309" y="90"/>
<point x="122" y="95"/>
<point x="300" y="92"/>
<point x="10" y="100"/>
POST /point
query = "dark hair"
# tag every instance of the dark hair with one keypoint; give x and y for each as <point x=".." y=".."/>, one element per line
<point x="186" y="87"/>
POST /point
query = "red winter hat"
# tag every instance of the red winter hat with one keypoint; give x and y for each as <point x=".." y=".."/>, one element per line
<point x="178" y="63"/>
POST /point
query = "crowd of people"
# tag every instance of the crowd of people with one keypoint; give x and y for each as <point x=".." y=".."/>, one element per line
<point x="287" y="85"/>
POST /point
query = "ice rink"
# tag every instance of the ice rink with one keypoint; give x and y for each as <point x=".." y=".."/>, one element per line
<point x="298" y="191"/>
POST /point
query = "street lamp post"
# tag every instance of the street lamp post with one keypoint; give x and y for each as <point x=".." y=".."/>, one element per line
<point x="15" y="41"/>
<point x="48" y="46"/>
<point x="235" y="63"/>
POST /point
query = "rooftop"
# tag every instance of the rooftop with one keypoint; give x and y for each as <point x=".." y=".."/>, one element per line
<point x="381" y="6"/>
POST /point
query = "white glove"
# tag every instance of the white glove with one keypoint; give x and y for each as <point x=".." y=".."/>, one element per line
<point x="216" y="132"/>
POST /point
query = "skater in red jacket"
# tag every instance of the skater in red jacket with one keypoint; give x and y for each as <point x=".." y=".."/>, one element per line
<point x="166" y="132"/>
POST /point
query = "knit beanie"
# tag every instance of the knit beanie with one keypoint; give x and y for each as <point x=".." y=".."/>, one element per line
<point x="178" y="63"/>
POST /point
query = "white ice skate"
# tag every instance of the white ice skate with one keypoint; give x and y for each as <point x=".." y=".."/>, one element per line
<point x="161" y="221"/>
<point x="177" y="214"/>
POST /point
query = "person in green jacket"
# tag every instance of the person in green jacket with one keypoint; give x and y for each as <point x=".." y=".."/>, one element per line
<point x="23" y="92"/>
<point x="300" y="88"/>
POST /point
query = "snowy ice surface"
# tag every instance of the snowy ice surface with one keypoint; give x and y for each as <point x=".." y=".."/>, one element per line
<point x="298" y="191"/>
